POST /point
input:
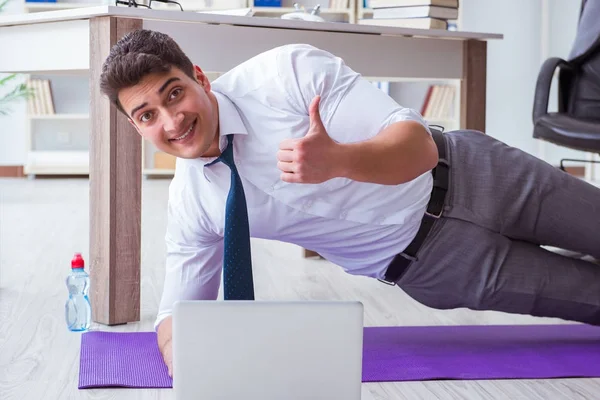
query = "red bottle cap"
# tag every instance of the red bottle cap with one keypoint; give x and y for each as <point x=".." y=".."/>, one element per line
<point x="77" y="261"/>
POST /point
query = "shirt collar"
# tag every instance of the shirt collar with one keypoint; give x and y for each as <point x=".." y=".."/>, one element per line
<point x="230" y="123"/>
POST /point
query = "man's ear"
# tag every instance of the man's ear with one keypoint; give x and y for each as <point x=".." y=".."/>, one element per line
<point x="135" y="126"/>
<point x="201" y="78"/>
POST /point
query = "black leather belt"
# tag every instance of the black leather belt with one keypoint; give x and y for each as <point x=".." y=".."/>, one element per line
<point x="435" y="207"/>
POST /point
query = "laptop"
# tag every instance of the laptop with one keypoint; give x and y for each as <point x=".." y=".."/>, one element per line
<point x="267" y="350"/>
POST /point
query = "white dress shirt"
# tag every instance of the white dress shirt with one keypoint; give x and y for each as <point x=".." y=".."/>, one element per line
<point x="358" y="226"/>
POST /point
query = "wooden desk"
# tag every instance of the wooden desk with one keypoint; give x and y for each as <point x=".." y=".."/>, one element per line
<point x="78" y="40"/>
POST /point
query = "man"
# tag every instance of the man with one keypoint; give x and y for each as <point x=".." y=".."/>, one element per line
<point x="331" y="163"/>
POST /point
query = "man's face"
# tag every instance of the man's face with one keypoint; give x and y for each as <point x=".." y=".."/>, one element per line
<point x="177" y="114"/>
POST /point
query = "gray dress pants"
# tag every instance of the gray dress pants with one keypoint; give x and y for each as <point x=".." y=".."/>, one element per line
<point x="484" y="252"/>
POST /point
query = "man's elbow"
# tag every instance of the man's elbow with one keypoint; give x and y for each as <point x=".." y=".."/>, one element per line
<point x="432" y="156"/>
<point x="427" y="153"/>
<point x="424" y="158"/>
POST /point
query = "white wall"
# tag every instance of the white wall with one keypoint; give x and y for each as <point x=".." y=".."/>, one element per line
<point x="514" y="63"/>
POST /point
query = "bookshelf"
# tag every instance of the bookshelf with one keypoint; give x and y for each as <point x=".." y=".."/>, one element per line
<point x="438" y="101"/>
<point x="440" y="106"/>
<point x="149" y="169"/>
<point x="57" y="138"/>
<point x="57" y="126"/>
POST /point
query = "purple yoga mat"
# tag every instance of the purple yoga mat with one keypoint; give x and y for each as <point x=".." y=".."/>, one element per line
<point x="111" y="359"/>
<point x="481" y="352"/>
<point x="117" y="359"/>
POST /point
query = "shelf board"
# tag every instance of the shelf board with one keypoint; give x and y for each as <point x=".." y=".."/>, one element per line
<point x="56" y="162"/>
<point x="60" y="116"/>
<point x="55" y="170"/>
<point x="47" y="6"/>
<point x="158" y="171"/>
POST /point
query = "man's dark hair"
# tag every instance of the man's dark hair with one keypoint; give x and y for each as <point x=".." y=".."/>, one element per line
<point x="137" y="54"/>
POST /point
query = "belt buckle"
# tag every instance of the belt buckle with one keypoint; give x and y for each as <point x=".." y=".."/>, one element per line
<point x="442" y="162"/>
<point x="436" y="216"/>
<point x="390" y="283"/>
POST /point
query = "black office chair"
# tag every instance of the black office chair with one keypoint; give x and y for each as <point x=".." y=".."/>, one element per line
<point x="576" y="124"/>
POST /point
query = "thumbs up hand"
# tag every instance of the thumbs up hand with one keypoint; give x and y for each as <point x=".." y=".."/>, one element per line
<point x="312" y="158"/>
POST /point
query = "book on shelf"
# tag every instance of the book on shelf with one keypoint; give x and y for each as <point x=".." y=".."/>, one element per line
<point x="439" y="103"/>
<point x="338" y="4"/>
<point x="41" y="102"/>
<point x="164" y="160"/>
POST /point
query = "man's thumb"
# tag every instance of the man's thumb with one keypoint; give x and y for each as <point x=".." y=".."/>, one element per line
<point x="313" y="112"/>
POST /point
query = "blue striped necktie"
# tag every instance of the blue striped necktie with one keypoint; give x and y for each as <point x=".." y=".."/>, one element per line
<point x="237" y="262"/>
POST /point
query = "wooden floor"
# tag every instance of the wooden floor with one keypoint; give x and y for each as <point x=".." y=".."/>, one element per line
<point x="44" y="221"/>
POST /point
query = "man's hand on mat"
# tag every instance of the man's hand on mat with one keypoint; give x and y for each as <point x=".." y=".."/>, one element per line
<point x="312" y="158"/>
<point x="164" y="334"/>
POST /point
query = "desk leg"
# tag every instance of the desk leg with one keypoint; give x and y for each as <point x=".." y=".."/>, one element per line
<point x="473" y="85"/>
<point x="115" y="191"/>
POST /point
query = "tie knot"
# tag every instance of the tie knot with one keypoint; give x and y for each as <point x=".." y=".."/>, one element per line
<point x="227" y="154"/>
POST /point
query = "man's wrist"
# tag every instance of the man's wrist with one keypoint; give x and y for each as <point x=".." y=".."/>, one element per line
<point x="165" y="343"/>
<point x="342" y="165"/>
<point x="164" y="332"/>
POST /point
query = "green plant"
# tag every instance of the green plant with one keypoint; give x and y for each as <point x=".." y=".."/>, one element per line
<point x="3" y="3"/>
<point x="21" y="91"/>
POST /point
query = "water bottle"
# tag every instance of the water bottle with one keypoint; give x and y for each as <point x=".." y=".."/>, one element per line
<point x="78" y="310"/>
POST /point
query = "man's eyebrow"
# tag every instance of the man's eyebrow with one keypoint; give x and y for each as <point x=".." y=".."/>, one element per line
<point x="160" y="90"/>
<point x="164" y="86"/>
<point x="138" y="108"/>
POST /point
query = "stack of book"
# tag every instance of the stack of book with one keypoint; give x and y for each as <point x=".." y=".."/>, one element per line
<point x="419" y="14"/>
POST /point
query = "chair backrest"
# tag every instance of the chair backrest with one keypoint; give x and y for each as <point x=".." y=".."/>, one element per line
<point x="579" y="86"/>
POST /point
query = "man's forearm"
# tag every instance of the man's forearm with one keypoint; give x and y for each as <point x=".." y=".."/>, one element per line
<point x="165" y="335"/>
<point x="398" y="154"/>
<point x="164" y="332"/>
